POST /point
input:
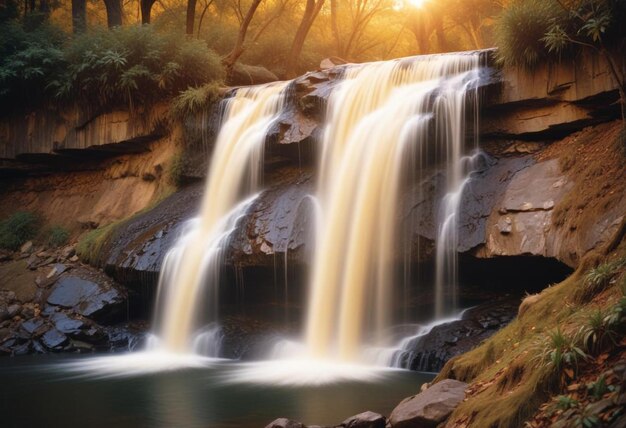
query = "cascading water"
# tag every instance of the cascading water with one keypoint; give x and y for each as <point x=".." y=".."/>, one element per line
<point x="193" y="264"/>
<point x="378" y="111"/>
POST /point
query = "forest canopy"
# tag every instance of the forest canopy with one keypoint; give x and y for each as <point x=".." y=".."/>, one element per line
<point x="111" y="52"/>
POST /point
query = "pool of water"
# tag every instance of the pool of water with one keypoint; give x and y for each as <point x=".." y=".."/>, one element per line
<point x="62" y="391"/>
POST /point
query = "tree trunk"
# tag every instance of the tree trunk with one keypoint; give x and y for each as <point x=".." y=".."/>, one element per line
<point x="191" y="16"/>
<point x="79" y="16"/>
<point x="146" y="9"/>
<point x="310" y="13"/>
<point x="230" y="59"/>
<point x="114" y="12"/>
<point x="335" y="26"/>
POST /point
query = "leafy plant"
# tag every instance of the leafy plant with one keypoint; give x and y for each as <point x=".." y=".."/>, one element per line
<point x="18" y="229"/>
<point x="565" y="402"/>
<point x="57" y="236"/>
<point x="27" y="60"/>
<point x="598" y="332"/>
<point x="134" y="65"/>
<point x="194" y="100"/>
<point x="561" y="352"/>
<point x="521" y="28"/>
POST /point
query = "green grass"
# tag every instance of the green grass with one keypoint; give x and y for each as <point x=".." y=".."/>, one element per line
<point x="57" y="236"/>
<point x="89" y="247"/>
<point x="524" y="364"/>
<point x="17" y="229"/>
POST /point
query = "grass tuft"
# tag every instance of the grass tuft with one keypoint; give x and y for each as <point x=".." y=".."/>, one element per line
<point x="17" y="229"/>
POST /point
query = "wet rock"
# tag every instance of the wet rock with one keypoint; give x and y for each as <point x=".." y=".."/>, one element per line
<point x="365" y="420"/>
<point x="90" y="299"/>
<point x="56" y="270"/>
<point x="26" y="247"/>
<point x="285" y="423"/>
<point x="431" y="351"/>
<point x="32" y="325"/>
<point x="65" y="324"/>
<point x="54" y="339"/>
<point x="68" y="252"/>
<point x="429" y="408"/>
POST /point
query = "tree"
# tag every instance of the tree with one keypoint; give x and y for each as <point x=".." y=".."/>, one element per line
<point x="230" y="59"/>
<point x="79" y="16"/>
<point x="146" y="10"/>
<point x="311" y="11"/>
<point x="593" y="24"/>
<point x="114" y="13"/>
<point x="191" y="16"/>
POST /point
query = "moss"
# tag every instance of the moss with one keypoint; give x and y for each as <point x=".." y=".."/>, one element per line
<point x="509" y="376"/>
<point x="176" y="169"/>
<point x="89" y="247"/>
<point x="57" y="236"/>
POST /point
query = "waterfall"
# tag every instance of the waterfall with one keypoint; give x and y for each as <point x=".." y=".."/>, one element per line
<point x="191" y="269"/>
<point x="377" y="113"/>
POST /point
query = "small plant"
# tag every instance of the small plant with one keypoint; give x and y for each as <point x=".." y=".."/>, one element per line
<point x="194" y="100"/>
<point x="598" y="332"/>
<point x="18" y="229"/>
<point x="57" y="236"/>
<point x="598" y="388"/>
<point x="598" y="279"/>
<point x="560" y="352"/>
<point x="565" y="402"/>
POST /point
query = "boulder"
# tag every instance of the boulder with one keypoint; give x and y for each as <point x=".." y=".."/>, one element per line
<point x="53" y="339"/>
<point x="331" y="62"/>
<point x="243" y="74"/>
<point x="429" y="408"/>
<point x="284" y="423"/>
<point x="365" y="420"/>
<point x="88" y="298"/>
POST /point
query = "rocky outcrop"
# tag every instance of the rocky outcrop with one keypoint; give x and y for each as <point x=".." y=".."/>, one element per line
<point x="50" y="139"/>
<point x="429" y="408"/>
<point x="59" y="304"/>
<point x="430" y="351"/>
<point x="552" y="100"/>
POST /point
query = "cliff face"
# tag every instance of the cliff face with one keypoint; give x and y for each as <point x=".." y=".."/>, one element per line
<point x="550" y="184"/>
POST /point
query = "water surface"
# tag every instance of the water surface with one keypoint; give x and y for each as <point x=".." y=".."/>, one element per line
<point x="37" y="391"/>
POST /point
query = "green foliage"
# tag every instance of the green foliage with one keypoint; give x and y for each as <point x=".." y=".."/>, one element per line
<point x="57" y="236"/>
<point x="559" y="351"/>
<point x="598" y="332"/>
<point x="89" y="247"/>
<point x="103" y="68"/>
<point x="27" y="60"/>
<point x="565" y="402"/>
<point x="521" y="28"/>
<point x="17" y="229"/>
<point x="194" y="100"/>
<point x="598" y="279"/>
<point x="134" y="65"/>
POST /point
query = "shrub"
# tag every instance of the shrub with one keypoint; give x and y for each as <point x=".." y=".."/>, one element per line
<point x="194" y="100"/>
<point x="57" y="236"/>
<point x="598" y="279"/>
<point x="18" y="229"/>
<point x="521" y="28"/>
<point x="560" y="352"/>
<point x="27" y="60"/>
<point x="89" y="247"/>
<point x="134" y="65"/>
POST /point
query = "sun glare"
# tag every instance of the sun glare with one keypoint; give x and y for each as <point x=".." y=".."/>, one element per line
<point x="417" y="3"/>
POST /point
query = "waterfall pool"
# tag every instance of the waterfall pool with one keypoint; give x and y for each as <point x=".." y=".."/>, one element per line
<point x="48" y="391"/>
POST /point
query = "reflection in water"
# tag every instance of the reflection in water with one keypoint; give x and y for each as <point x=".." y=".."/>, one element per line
<point x="34" y="394"/>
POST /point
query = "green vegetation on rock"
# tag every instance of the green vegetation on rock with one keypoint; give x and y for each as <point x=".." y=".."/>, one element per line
<point x="130" y="66"/>
<point x="57" y="236"/>
<point x="17" y="229"/>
